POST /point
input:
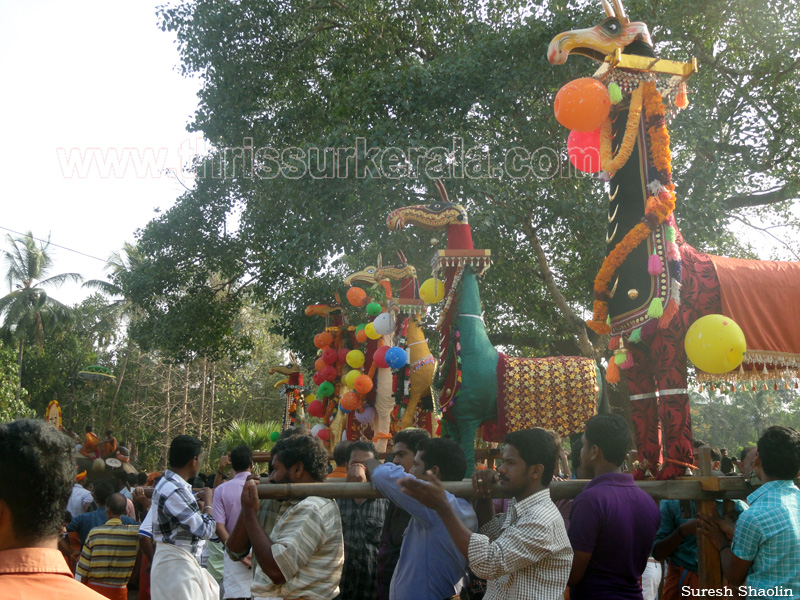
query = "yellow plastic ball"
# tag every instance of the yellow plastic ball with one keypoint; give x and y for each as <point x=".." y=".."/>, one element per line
<point x="371" y="333"/>
<point x="355" y="358"/>
<point x="350" y="378"/>
<point x="715" y="344"/>
<point x="432" y="290"/>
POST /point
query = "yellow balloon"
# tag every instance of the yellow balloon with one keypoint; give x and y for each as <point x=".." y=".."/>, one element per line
<point x="432" y="290"/>
<point x="370" y="331"/>
<point x="310" y="398"/>
<point x="351" y="377"/>
<point x="715" y="344"/>
<point x="355" y="358"/>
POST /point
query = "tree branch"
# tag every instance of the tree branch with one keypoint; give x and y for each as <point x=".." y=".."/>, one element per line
<point x="773" y="196"/>
<point x="769" y="233"/>
<point x="575" y="322"/>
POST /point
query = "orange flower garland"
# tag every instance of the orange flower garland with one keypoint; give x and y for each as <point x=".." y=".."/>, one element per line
<point x="608" y="162"/>
<point x="657" y="209"/>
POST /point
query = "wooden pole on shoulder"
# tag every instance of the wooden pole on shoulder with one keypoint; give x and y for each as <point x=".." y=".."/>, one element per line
<point x="709" y="567"/>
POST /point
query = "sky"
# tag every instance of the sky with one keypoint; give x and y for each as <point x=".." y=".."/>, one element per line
<point x="81" y="80"/>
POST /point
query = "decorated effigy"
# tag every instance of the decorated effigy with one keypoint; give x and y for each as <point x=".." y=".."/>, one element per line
<point x="655" y="295"/>
<point x="402" y="396"/>
<point x="477" y="385"/>
<point x="293" y="392"/>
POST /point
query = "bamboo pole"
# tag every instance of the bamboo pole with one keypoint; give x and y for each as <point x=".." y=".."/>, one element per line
<point x="682" y="489"/>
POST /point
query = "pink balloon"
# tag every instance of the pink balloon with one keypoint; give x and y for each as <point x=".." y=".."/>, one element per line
<point x="379" y="357"/>
<point x="329" y="355"/>
<point x="583" y="149"/>
<point x="317" y="378"/>
<point x="328" y="373"/>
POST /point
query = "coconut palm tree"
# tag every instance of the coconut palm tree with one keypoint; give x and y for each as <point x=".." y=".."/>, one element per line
<point x="27" y="310"/>
<point x="121" y="310"/>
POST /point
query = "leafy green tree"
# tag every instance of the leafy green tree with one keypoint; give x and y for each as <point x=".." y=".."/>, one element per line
<point x="27" y="310"/>
<point x="293" y="79"/>
<point x="11" y="406"/>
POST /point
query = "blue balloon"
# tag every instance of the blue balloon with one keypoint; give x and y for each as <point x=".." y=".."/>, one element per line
<point x="396" y="358"/>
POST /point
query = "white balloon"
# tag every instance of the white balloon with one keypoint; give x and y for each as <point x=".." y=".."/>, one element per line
<point x="384" y="323"/>
<point x="317" y="428"/>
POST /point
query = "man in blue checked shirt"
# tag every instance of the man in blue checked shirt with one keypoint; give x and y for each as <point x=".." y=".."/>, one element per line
<point x="181" y="527"/>
<point x="766" y="540"/>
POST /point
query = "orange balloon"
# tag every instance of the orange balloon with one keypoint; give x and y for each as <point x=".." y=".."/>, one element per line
<point x="361" y="336"/>
<point x="323" y="340"/>
<point x="350" y="401"/>
<point x="320" y="364"/>
<point x="356" y="296"/>
<point x="582" y="105"/>
<point x="363" y="384"/>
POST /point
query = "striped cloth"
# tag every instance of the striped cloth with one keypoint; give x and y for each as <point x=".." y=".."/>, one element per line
<point x="108" y="556"/>
<point x="308" y="547"/>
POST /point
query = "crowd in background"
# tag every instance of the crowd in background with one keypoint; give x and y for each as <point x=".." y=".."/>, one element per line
<point x="66" y="534"/>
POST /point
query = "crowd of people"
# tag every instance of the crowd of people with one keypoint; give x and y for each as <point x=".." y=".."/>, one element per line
<point x="211" y="537"/>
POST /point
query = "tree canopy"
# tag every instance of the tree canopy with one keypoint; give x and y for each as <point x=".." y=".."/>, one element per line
<point x="325" y="116"/>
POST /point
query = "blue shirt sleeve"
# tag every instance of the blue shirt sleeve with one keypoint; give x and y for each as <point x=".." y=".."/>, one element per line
<point x="747" y="536"/>
<point x="385" y="479"/>
<point x="670" y="518"/>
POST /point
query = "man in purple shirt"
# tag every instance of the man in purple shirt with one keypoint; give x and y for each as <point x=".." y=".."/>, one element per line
<point x="237" y="576"/>
<point x="613" y="523"/>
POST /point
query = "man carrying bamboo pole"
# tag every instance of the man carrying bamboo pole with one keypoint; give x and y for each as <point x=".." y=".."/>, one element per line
<point x="430" y="564"/>
<point x="303" y="554"/>
<point x="524" y="553"/>
<point x="766" y="541"/>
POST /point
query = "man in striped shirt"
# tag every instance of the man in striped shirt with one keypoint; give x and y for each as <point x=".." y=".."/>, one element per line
<point x="303" y="554"/>
<point x="109" y="553"/>
<point x="181" y="527"/>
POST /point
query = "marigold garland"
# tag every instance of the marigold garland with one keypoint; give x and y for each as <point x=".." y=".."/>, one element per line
<point x="609" y="163"/>
<point x="658" y="207"/>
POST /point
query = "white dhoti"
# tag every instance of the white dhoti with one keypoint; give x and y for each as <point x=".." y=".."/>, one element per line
<point x="175" y="575"/>
<point x="236" y="580"/>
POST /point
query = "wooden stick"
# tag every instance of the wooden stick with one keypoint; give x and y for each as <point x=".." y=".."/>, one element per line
<point x="489" y="454"/>
<point x="709" y="567"/>
<point x="559" y="490"/>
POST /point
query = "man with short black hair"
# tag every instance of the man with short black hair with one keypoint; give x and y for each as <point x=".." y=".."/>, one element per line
<point x="396" y="521"/>
<point x="613" y="523"/>
<point x="362" y="522"/>
<point x="181" y="527"/>
<point x="109" y="553"/>
<point x="766" y="540"/>
<point x="430" y="565"/>
<point x="84" y="523"/>
<point x="524" y="553"/>
<point x="37" y="470"/>
<point x="341" y="454"/>
<point x="302" y="556"/>
<point x="237" y="575"/>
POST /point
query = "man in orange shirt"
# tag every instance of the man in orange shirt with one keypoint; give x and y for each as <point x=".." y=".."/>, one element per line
<point x="90" y="443"/>
<point x="341" y="453"/>
<point x="109" y="446"/>
<point x="36" y="468"/>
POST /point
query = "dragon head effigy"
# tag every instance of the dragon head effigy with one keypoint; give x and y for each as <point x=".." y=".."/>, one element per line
<point x="617" y="32"/>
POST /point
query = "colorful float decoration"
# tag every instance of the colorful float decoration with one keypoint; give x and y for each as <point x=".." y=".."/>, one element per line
<point x="476" y="384"/>
<point x="294" y="393"/>
<point x="399" y="359"/>
<point x="652" y="285"/>
<point x="53" y="414"/>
